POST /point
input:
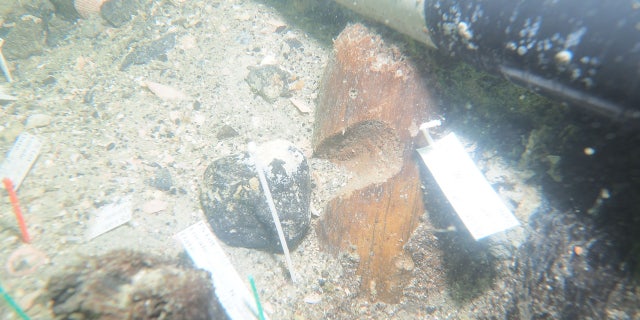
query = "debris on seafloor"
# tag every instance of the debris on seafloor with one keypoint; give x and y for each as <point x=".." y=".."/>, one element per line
<point x="149" y="52"/>
<point x="140" y="286"/>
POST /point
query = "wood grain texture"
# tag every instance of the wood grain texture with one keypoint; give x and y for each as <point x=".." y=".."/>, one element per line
<point x="370" y="104"/>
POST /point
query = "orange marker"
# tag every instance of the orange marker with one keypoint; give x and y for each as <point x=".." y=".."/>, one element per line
<point x="13" y="198"/>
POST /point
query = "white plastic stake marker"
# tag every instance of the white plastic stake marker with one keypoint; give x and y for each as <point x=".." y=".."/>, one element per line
<point x="206" y="253"/>
<point x="477" y="204"/>
<point x="272" y="207"/>
<point x="109" y="217"/>
<point x="20" y="158"/>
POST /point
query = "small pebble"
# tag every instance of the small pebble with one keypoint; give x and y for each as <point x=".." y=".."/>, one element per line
<point x="226" y="131"/>
<point x="162" y="180"/>
<point x="269" y="81"/>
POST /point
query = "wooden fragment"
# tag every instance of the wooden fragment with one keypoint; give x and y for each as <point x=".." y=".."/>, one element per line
<point x="370" y="104"/>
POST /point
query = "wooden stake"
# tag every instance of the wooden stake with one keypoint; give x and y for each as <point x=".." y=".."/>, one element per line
<point x="370" y="104"/>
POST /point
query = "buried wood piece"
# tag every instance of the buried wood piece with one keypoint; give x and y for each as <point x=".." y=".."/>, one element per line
<point x="369" y="105"/>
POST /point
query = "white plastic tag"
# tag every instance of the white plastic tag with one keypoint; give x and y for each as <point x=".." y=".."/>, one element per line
<point x="109" y="217"/>
<point x="20" y="158"/>
<point x="477" y="204"/>
<point x="206" y="253"/>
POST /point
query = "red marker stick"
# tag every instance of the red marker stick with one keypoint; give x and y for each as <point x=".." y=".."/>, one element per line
<point x="13" y="198"/>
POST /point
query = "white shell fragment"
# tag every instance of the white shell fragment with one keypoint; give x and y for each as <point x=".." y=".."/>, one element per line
<point x="37" y="121"/>
<point x="164" y="92"/>
<point x="300" y="105"/>
<point x="154" y="206"/>
<point x="313" y="298"/>
<point x="4" y="96"/>
<point x="86" y="8"/>
<point x="7" y="97"/>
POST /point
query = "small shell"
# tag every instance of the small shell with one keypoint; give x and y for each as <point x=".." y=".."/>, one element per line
<point x="86" y="8"/>
<point x="302" y="107"/>
<point x="164" y="92"/>
<point x="37" y="121"/>
<point x="153" y="206"/>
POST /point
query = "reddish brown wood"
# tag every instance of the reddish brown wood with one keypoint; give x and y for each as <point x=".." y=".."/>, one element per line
<point x="369" y="107"/>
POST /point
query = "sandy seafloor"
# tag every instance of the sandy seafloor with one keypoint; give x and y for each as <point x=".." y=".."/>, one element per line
<point x="108" y="134"/>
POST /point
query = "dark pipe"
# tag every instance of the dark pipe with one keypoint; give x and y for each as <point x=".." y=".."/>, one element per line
<point x="585" y="52"/>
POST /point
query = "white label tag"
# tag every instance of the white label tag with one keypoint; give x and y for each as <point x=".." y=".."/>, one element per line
<point x="109" y="217"/>
<point x="206" y="253"/>
<point x="20" y="158"/>
<point x="478" y="205"/>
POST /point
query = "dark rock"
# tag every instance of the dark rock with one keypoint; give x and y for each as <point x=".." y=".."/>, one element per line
<point x="130" y="285"/>
<point x="162" y="180"/>
<point x="269" y="82"/>
<point x="26" y="38"/>
<point x="146" y="53"/>
<point x="236" y="208"/>
<point x="119" y="12"/>
<point x="294" y="44"/>
<point x="49" y="81"/>
<point x="226" y="132"/>
<point x="66" y="10"/>
<point x="58" y="30"/>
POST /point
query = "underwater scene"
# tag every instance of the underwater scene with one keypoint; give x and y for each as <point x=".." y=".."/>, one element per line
<point x="319" y="159"/>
